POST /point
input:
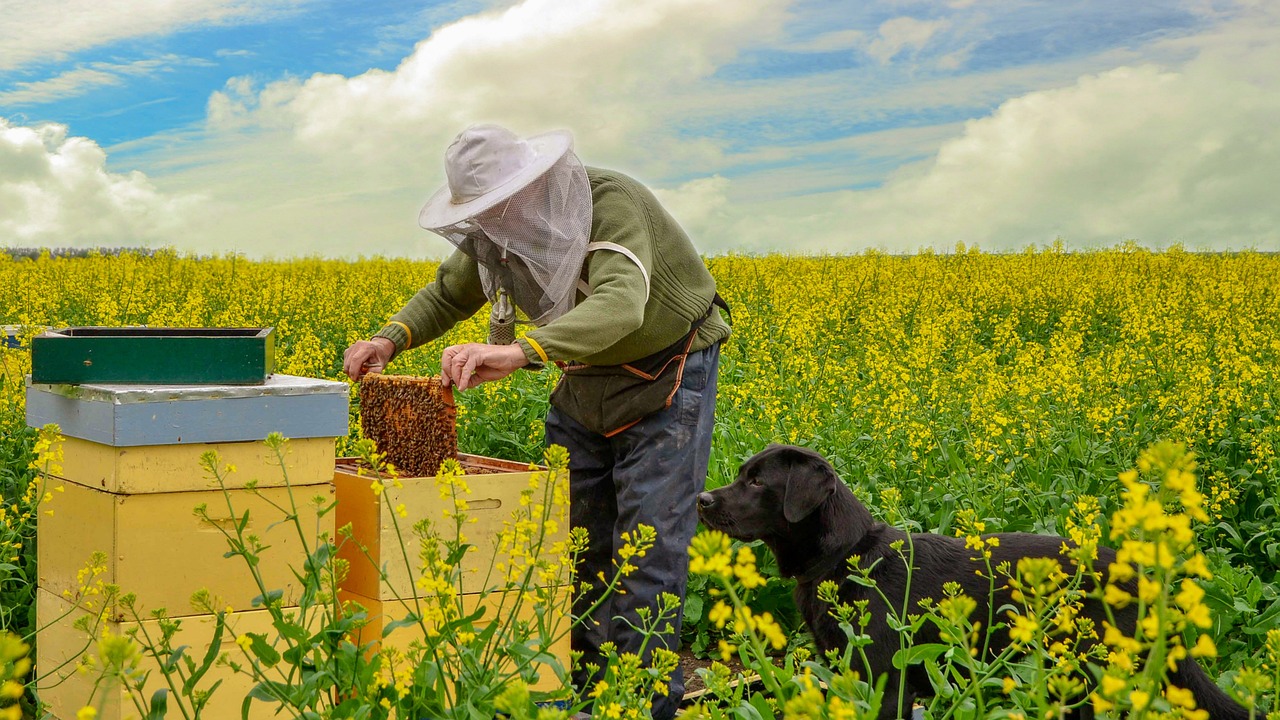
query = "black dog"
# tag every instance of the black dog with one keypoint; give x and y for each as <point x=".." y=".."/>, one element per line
<point x="792" y="499"/>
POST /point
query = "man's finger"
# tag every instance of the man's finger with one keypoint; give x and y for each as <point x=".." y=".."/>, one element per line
<point x="468" y="370"/>
<point x="446" y="365"/>
<point x="352" y="362"/>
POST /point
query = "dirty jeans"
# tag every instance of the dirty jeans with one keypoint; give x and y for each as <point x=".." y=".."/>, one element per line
<point x="650" y="473"/>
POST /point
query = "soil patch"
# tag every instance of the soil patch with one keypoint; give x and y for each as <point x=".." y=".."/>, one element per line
<point x="693" y="685"/>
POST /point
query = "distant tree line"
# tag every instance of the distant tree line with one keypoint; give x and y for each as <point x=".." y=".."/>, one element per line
<point x="18" y="253"/>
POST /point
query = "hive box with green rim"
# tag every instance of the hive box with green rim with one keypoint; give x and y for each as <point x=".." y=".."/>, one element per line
<point x="154" y="355"/>
<point x="122" y="415"/>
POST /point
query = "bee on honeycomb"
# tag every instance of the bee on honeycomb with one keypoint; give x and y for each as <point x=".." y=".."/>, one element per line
<point x="411" y="419"/>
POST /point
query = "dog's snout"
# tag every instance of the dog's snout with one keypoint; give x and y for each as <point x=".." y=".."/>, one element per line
<point x="706" y="500"/>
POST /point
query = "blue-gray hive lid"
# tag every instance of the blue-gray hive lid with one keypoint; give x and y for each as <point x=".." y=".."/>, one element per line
<point x="129" y="415"/>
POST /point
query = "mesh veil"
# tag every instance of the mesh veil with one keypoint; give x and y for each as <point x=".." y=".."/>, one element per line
<point x="533" y="243"/>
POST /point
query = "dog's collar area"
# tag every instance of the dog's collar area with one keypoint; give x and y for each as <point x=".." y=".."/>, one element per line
<point x="825" y="562"/>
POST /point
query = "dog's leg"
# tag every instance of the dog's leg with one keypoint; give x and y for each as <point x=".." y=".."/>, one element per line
<point x="1220" y="706"/>
<point x="889" y="704"/>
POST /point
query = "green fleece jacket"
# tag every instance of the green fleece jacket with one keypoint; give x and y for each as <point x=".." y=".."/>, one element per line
<point x="614" y="324"/>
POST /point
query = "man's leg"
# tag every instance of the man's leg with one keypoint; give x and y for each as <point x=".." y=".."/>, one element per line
<point x="593" y="506"/>
<point x="660" y="466"/>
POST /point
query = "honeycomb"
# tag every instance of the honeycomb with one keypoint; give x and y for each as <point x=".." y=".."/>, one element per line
<point x="411" y="419"/>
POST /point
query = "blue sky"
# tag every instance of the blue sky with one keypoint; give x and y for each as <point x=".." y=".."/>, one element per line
<point x="317" y="127"/>
<point x="196" y="60"/>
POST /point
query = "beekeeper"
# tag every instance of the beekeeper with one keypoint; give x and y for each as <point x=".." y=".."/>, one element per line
<point x="615" y="294"/>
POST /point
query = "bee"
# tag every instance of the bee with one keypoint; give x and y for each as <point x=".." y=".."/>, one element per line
<point x="411" y="419"/>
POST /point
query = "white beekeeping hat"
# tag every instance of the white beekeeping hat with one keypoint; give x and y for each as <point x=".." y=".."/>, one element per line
<point x="522" y="209"/>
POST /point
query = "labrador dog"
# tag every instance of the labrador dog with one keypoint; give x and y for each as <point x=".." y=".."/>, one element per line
<point x="792" y="499"/>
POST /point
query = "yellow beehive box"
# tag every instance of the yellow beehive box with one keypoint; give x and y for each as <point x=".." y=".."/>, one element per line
<point x="158" y="549"/>
<point x="497" y="606"/>
<point x="143" y="469"/>
<point x="495" y="487"/>
<point x="67" y="690"/>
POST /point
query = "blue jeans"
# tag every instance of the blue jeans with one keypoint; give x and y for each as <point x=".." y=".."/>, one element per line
<point x="650" y="473"/>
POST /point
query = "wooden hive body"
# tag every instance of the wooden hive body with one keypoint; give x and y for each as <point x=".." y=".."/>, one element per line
<point x="67" y="690"/>
<point x="496" y="487"/>
<point x="131" y="478"/>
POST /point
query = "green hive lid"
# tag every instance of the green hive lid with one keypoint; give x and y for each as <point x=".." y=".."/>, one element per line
<point x="153" y="356"/>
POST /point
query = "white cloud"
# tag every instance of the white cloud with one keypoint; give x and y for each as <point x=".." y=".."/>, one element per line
<point x="339" y="164"/>
<point x="698" y="204"/>
<point x="902" y="33"/>
<point x="56" y="191"/>
<point x="532" y="66"/>
<point x="68" y="84"/>
<point x="83" y="79"/>
<point x="50" y="30"/>
<point x="1138" y="152"/>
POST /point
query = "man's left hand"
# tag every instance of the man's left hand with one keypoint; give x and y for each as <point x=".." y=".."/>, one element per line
<point x="474" y="363"/>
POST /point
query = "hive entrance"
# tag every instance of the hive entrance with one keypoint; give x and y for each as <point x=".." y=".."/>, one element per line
<point x="411" y="419"/>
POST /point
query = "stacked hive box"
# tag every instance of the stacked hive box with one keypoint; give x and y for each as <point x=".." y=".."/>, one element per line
<point x="131" y="478"/>
<point x="495" y="487"/>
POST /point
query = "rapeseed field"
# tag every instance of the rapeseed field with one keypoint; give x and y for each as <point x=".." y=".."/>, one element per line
<point x="1002" y="388"/>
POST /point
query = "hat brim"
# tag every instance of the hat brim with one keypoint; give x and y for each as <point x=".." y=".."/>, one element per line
<point x="441" y="211"/>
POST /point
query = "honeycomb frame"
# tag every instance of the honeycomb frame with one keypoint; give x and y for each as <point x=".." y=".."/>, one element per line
<point x="411" y="419"/>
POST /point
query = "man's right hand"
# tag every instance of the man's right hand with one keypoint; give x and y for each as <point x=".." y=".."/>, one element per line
<point x="366" y="356"/>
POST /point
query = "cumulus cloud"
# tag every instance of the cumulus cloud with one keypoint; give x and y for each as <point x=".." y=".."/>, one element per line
<point x="338" y="164"/>
<point x="1183" y="151"/>
<point x="532" y="65"/>
<point x="699" y="204"/>
<point x="55" y="191"/>
<point x="1159" y="155"/>
<point x="37" y="32"/>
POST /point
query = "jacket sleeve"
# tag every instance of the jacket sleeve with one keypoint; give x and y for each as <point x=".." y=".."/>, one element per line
<point x="455" y="295"/>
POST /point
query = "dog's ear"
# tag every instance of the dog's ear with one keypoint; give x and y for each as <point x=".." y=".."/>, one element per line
<point x="810" y="481"/>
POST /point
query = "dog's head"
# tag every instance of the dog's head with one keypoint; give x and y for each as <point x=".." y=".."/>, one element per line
<point x="776" y="488"/>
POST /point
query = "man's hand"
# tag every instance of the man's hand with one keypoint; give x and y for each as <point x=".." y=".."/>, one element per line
<point x="367" y="356"/>
<point x="474" y="363"/>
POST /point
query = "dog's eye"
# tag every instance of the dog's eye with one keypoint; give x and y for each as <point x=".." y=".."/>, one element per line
<point x="754" y="482"/>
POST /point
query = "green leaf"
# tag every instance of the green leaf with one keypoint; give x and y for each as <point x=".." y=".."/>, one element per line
<point x="693" y="605"/>
<point x="292" y="630"/>
<point x="455" y="556"/>
<point x="320" y="558"/>
<point x="264" y="691"/>
<point x="159" y="705"/>
<point x="262" y="650"/>
<point x="407" y="621"/>
<point x="917" y="654"/>
<point x="272" y="596"/>
<point x="170" y="665"/>
<point x="936" y="678"/>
